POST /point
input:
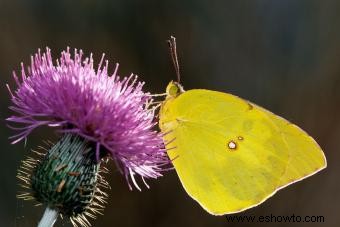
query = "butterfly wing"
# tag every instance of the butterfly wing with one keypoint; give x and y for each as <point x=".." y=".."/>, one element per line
<point x="230" y="154"/>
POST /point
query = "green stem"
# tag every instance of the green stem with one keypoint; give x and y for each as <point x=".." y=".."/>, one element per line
<point x="49" y="218"/>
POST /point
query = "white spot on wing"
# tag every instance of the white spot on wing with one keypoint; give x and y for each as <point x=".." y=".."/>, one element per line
<point x="232" y="145"/>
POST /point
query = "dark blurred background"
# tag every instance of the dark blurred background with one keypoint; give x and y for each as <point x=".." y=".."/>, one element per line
<point x="283" y="55"/>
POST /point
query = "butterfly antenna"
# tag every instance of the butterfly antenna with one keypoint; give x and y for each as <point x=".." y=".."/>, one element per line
<point x="174" y="58"/>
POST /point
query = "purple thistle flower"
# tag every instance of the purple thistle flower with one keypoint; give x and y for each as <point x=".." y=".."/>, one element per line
<point x="113" y="113"/>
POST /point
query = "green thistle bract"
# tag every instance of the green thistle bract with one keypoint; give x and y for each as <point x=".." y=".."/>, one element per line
<point x="67" y="179"/>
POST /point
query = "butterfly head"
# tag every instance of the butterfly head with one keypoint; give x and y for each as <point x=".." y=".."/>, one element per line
<point x="174" y="89"/>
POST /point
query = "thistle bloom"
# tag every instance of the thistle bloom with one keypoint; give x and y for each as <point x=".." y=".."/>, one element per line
<point x="112" y="113"/>
<point x="98" y="116"/>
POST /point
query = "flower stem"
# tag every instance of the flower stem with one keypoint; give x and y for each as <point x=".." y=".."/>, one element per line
<point x="49" y="218"/>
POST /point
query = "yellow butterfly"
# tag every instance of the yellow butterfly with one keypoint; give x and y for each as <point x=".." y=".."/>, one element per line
<point x="229" y="153"/>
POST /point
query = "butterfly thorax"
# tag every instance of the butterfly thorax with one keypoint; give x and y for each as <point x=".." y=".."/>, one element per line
<point x="173" y="90"/>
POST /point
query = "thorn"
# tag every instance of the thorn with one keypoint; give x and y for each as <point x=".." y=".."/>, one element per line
<point x="73" y="173"/>
<point x="61" y="185"/>
<point x="60" y="167"/>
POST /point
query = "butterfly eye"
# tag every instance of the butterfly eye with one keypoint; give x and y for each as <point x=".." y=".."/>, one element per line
<point x="173" y="90"/>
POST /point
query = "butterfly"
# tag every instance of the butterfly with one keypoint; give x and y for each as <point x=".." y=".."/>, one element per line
<point x="229" y="153"/>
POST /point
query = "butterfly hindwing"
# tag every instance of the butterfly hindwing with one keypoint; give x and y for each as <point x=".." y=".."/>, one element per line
<point x="230" y="154"/>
